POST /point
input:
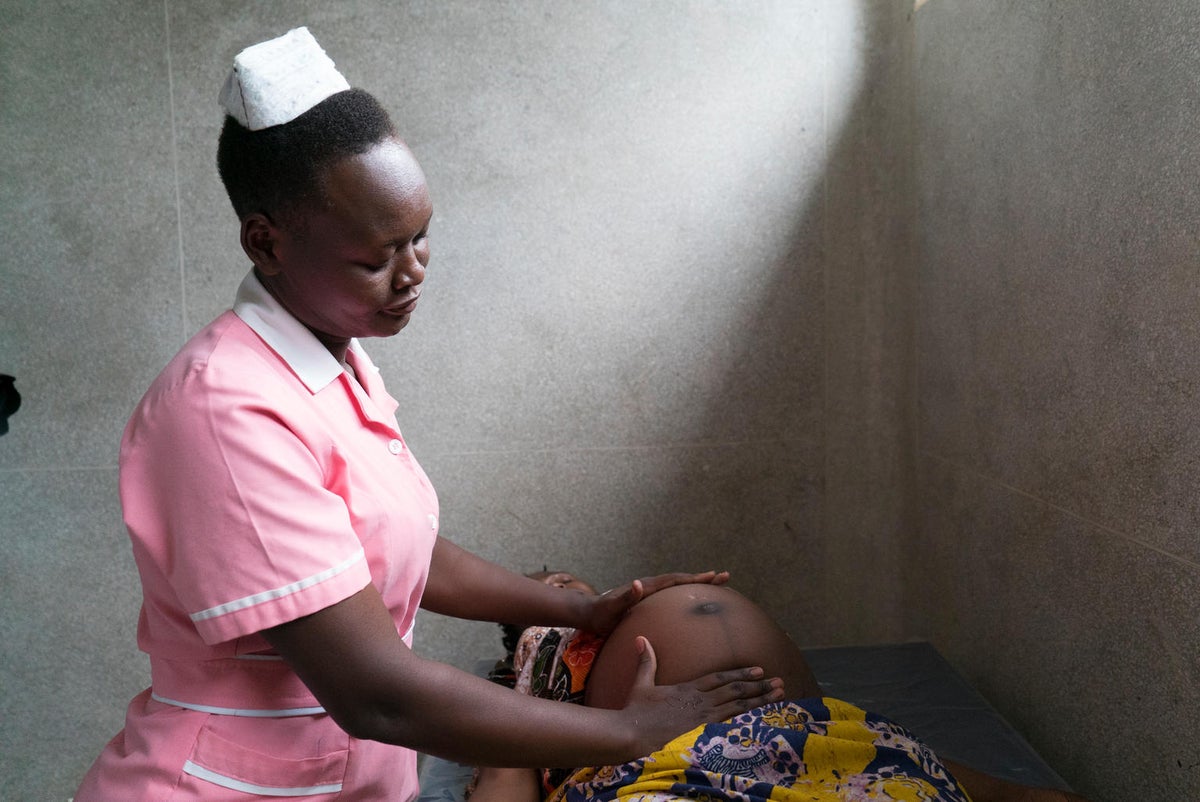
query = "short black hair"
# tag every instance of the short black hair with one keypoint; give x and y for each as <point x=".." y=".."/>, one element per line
<point x="277" y="171"/>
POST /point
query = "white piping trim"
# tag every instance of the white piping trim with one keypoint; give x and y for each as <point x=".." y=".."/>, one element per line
<point x="288" y="337"/>
<point x="285" y="712"/>
<point x="250" y="788"/>
<point x="278" y="593"/>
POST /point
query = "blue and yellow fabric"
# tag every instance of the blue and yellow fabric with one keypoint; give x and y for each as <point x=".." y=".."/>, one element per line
<point x="812" y="750"/>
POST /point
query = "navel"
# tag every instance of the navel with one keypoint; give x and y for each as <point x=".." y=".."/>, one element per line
<point x="708" y="608"/>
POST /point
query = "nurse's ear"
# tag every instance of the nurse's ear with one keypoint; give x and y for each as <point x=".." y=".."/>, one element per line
<point x="260" y="240"/>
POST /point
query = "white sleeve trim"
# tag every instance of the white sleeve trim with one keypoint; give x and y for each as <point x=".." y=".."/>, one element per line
<point x="243" y="712"/>
<point x="278" y="593"/>
<point x="262" y="790"/>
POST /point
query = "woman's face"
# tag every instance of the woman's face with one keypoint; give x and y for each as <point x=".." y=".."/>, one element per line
<point x="353" y="265"/>
<point x="562" y="579"/>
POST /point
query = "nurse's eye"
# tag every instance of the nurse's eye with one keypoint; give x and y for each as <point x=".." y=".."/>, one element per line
<point x="375" y="267"/>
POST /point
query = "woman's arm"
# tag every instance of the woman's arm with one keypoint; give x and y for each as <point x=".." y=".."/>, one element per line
<point x="986" y="788"/>
<point x="352" y="659"/>
<point x="466" y="586"/>
<point x="506" y="785"/>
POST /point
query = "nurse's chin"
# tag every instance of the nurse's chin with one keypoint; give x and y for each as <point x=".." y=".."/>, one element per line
<point x="390" y="324"/>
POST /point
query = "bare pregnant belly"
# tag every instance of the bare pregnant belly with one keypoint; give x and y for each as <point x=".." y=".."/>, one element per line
<point x="696" y="630"/>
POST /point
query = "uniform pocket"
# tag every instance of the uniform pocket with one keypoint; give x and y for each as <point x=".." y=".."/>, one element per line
<point x="223" y="762"/>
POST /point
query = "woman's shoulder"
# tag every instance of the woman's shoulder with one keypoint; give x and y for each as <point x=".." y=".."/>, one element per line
<point x="224" y="355"/>
<point x="223" y="373"/>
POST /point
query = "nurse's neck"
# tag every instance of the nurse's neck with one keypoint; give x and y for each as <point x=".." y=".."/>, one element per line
<point x="338" y="346"/>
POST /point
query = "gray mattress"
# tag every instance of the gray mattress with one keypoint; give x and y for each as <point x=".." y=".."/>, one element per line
<point x="910" y="683"/>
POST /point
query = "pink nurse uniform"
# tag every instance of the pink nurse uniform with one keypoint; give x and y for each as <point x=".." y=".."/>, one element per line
<point x="260" y="482"/>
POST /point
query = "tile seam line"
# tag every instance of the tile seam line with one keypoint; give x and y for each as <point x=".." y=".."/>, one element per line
<point x="591" y="449"/>
<point x="183" y="322"/>
<point x="1064" y="510"/>
<point x="56" y="469"/>
<point x="826" y="168"/>
<point x="473" y="453"/>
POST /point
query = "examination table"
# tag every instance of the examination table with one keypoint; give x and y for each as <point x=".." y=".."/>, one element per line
<point x="910" y="683"/>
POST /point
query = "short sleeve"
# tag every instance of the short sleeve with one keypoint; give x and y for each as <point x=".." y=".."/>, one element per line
<point x="228" y="484"/>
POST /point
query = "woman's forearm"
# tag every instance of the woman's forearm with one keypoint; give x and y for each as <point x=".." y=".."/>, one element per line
<point x="352" y="659"/>
<point x="483" y="724"/>
<point x="466" y="586"/>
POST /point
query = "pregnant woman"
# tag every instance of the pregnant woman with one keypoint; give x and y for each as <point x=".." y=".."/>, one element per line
<point x="807" y="747"/>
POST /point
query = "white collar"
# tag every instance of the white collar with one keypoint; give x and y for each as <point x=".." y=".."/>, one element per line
<point x="288" y="337"/>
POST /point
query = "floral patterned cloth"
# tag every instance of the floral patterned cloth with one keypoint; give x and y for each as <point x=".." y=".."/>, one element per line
<point x="549" y="663"/>
<point x="553" y="662"/>
<point x="812" y="750"/>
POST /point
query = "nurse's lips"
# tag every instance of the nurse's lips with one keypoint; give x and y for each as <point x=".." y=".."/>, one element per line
<point x="402" y="309"/>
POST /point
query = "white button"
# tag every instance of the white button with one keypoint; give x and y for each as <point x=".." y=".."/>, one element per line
<point x="433" y="522"/>
<point x="395" y="446"/>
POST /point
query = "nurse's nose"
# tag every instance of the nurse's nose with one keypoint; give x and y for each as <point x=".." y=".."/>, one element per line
<point x="410" y="268"/>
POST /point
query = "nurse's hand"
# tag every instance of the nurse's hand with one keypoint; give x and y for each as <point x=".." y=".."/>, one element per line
<point x="608" y="609"/>
<point x="663" y="712"/>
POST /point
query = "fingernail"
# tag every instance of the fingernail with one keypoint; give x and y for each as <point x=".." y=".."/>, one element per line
<point x="755" y="673"/>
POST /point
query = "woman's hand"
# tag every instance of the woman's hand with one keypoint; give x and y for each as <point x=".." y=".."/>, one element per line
<point x="608" y="609"/>
<point x="662" y="712"/>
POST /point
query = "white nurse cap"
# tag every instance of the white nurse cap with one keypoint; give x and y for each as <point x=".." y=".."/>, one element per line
<point x="276" y="81"/>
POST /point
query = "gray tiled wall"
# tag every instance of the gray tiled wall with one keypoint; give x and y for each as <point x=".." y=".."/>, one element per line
<point x="648" y="218"/>
<point x="675" y="318"/>
<point x="1059" y="354"/>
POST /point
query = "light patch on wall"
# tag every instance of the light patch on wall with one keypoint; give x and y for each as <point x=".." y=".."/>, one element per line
<point x="763" y="174"/>
<point x="845" y="66"/>
<point x="917" y="5"/>
<point x="762" y="169"/>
